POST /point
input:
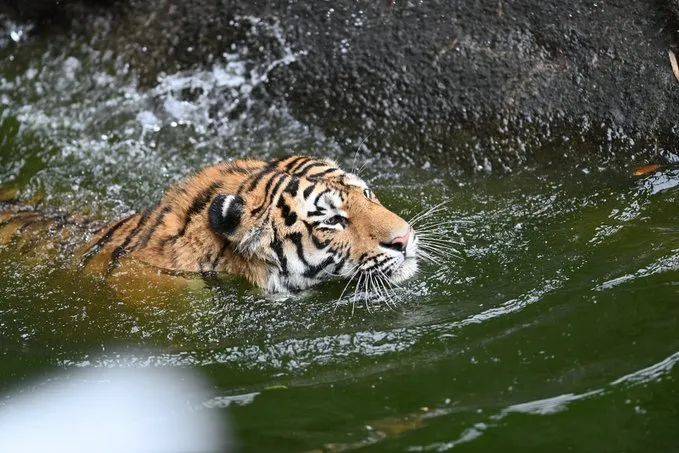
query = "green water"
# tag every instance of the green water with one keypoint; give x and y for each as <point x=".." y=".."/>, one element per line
<point x="557" y="328"/>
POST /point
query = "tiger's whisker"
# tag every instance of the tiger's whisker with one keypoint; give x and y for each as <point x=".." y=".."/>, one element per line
<point x="384" y="281"/>
<point x="358" y="148"/>
<point x="432" y="223"/>
<point x="366" y="293"/>
<point x="371" y="277"/>
<point x="439" y="247"/>
<point x="435" y="235"/>
<point x="376" y="285"/>
<point x="437" y="244"/>
<point x="428" y="257"/>
<point x="429" y="212"/>
<point x="356" y="292"/>
<point x="354" y="274"/>
<point x="437" y="254"/>
<point x="441" y="254"/>
<point x="436" y="241"/>
<point x="388" y="280"/>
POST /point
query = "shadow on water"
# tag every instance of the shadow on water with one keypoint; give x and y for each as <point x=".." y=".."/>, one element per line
<point x="559" y="317"/>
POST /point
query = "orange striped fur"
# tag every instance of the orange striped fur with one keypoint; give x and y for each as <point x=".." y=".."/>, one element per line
<point x="283" y="225"/>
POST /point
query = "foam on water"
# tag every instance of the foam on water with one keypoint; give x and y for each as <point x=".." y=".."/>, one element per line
<point x="111" y="132"/>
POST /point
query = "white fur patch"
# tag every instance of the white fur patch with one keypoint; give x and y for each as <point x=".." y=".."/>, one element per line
<point x="226" y="203"/>
<point x="353" y="180"/>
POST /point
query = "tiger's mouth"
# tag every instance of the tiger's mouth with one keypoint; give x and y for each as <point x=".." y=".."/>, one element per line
<point x="407" y="268"/>
<point x="402" y="265"/>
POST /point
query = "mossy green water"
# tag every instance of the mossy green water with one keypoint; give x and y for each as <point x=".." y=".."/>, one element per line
<point x="557" y="328"/>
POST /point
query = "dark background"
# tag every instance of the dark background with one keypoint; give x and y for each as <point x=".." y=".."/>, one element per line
<point x="440" y="77"/>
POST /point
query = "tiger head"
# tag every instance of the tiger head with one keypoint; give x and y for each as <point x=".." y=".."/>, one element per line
<point x="305" y="220"/>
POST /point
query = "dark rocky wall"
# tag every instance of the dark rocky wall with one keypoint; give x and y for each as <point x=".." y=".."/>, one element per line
<point x="426" y="75"/>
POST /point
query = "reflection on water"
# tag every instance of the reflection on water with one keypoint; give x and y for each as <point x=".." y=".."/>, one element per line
<point x="553" y="405"/>
<point x="568" y="278"/>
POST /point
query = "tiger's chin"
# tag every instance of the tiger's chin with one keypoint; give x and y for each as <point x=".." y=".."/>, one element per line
<point x="405" y="271"/>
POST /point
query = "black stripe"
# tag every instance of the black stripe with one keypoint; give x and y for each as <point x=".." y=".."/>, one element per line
<point x="318" y="243"/>
<point x="303" y="170"/>
<point x="379" y="264"/>
<point x="198" y="204"/>
<point x="159" y="220"/>
<point x="313" y="271"/>
<point x="301" y="160"/>
<point x="277" y="187"/>
<point x="276" y="176"/>
<point x="280" y="160"/>
<point x="311" y="226"/>
<point x="277" y="247"/>
<point x="289" y="216"/>
<point x="274" y="192"/>
<point x="105" y="239"/>
<point x="340" y="265"/>
<point x="179" y="189"/>
<point x="323" y="173"/>
<point x="266" y="192"/>
<point x="254" y="179"/>
<point x="320" y="195"/>
<point x="293" y="186"/>
<point x="220" y="253"/>
<point x="119" y="251"/>
<point x="270" y="194"/>
<point x="235" y="168"/>
<point x="296" y="239"/>
<point x="319" y="212"/>
<point x="308" y="191"/>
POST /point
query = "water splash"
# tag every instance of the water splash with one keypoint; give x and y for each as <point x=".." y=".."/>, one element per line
<point x="120" y="144"/>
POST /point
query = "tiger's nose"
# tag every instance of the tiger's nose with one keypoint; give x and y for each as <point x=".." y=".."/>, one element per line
<point x="399" y="243"/>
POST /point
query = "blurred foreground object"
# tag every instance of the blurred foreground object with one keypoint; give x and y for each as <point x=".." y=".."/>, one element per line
<point x="112" y="410"/>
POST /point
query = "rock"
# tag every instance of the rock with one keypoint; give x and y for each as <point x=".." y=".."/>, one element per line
<point x="465" y="80"/>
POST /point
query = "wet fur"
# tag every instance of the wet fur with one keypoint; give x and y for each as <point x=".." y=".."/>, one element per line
<point x="272" y="237"/>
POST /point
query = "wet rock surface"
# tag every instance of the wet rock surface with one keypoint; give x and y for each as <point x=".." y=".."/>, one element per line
<point x="473" y="81"/>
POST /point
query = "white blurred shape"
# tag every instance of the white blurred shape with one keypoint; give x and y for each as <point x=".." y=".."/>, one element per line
<point x="112" y="410"/>
<point x="148" y="120"/>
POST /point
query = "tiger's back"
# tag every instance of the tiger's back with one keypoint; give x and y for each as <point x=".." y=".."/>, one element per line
<point x="29" y="232"/>
<point x="173" y="235"/>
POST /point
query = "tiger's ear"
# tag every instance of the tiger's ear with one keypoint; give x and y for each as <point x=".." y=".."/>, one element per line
<point x="226" y="214"/>
<point x="228" y="218"/>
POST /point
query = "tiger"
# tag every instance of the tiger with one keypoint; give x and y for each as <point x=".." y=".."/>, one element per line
<point x="283" y="225"/>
